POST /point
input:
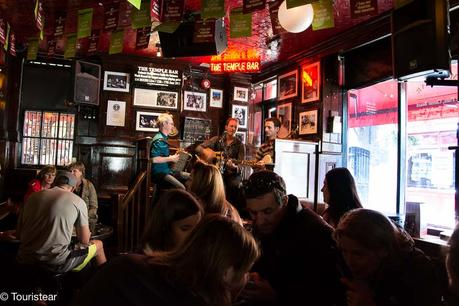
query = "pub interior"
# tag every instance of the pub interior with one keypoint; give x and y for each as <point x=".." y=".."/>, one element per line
<point x="125" y="101"/>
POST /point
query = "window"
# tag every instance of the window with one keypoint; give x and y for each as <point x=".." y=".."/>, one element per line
<point x="47" y="138"/>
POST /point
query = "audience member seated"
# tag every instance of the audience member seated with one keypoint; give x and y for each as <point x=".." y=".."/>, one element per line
<point x="206" y="182"/>
<point x="45" y="229"/>
<point x="172" y="219"/>
<point x="209" y="268"/>
<point x="298" y="254"/>
<point x="44" y="180"/>
<point x="384" y="267"/>
<point x="340" y="194"/>
<point x="85" y="190"/>
<point x="452" y="266"/>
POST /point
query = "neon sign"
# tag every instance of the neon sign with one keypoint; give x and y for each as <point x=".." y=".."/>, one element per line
<point x="245" y="61"/>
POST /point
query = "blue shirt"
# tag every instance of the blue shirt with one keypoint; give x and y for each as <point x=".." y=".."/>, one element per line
<point x="160" y="147"/>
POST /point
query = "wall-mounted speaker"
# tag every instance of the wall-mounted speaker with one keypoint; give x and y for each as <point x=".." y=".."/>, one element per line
<point x="87" y="83"/>
<point x="420" y="36"/>
<point x="180" y="43"/>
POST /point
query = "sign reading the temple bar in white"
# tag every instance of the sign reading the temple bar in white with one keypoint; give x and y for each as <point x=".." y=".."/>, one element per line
<point x="157" y="76"/>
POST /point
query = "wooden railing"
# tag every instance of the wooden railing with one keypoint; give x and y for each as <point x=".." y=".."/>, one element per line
<point x="131" y="213"/>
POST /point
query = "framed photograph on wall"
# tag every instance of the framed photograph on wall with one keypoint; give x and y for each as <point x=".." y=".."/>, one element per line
<point x="241" y="136"/>
<point x="116" y="81"/>
<point x="288" y="85"/>
<point x="240" y="112"/>
<point x="116" y="113"/>
<point x="146" y="121"/>
<point x="241" y="94"/>
<point x="194" y="101"/>
<point x="308" y="122"/>
<point x="156" y="98"/>
<point x="284" y="113"/>
<point x="310" y="82"/>
<point x="216" y="98"/>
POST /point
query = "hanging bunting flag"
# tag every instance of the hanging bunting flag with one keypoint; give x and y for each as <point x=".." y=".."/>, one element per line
<point x="116" y="42"/>
<point x="2" y="31"/>
<point x="204" y="31"/>
<point x="84" y="23"/>
<point x="273" y="13"/>
<point x="142" y="38"/>
<point x="141" y="18"/>
<point x="361" y="8"/>
<point x="111" y="13"/>
<point x="135" y="3"/>
<point x="32" y="50"/>
<point x="7" y="37"/>
<point x="39" y="16"/>
<point x="323" y="15"/>
<point x="155" y="10"/>
<point x="249" y="6"/>
<point x="59" y="24"/>
<point x="295" y="3"/>
<point x="93" y="42"/>
<point x="212" y="9"/>
<point x="173" y="10"/>
<point x="70" y="46"/>
<point x="12" y="44"/>
<point x="240" y="24"/>
<point x="51" y="46"/>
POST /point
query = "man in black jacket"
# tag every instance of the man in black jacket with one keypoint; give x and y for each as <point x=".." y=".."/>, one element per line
<point x="298" y="265"/>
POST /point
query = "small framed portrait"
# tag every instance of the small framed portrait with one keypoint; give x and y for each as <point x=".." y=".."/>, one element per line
<point x="216" y="98"/>
<point x="194" y="101"/>
<point x="308" y="122"/>
<point x="240" y="112"/>
<point x="147" y="121"/>
<point x="310" y="82"/>
<point x="288" y="85"/>
<point x="241" y="136"/>
<point x="156" y="98"/>
<point x="116" y="113"/>
<point x="241" y="94"/>
<point x="284" y="114"/>
<point x="116" y="81"/>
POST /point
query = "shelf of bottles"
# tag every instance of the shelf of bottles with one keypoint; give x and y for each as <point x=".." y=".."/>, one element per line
<point x="48" y="138"/>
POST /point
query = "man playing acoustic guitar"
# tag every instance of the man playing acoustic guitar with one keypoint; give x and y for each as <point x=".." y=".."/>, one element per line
<point x="265" y="153"/>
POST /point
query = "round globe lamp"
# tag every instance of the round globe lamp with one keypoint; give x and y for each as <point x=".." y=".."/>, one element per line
<point x="297" y="19"/>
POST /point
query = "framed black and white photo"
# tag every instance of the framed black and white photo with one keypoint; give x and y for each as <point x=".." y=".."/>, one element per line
<point x="241" y="136"/>
<point x="308" y="122"/>
<point x="284" y="114"/>
<point x="194" y="101"/>
<point x="240" y="112"/>
<point x="288" y="85"/>
<point x="156" y="98"/>
<point x="116" y="81"/>
<point x="216" y="98"/>
<point x="147" y="121"/>
<point x="241" y="94"/>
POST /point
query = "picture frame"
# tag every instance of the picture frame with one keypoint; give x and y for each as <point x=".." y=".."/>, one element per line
<point x="194" y="101"/>
<point x="154" y="98"/>
<point x="288" y="85"/>
<point x="240" y="112"/>
<point x="310" y="82"/>
<point x="147" y="121"/>
<point x="116" y="81"/>
<point x="241" y="94"/>
<point x="116" y="113"/>
<point x="242" y="136"/>
<point x="216" y="98"/>
<point x="284" y="114"/>
<point x="308" y="122"/>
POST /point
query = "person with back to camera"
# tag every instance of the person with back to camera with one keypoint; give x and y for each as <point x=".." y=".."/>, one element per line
<point x="208" y="269"/>
<point x="452" y="267"/>
<point x="385" y="269"/>
<point x="44" y="180"/>
<point x="298" y="255"/>
<point x="173" y="218"/>
<point x="340" y="193"/>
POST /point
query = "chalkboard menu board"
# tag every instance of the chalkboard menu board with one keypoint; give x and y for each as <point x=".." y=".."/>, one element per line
<point x="196" y="129"/>
<point x="157" y="76"/>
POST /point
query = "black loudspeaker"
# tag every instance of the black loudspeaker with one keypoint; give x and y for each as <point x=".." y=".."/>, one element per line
<point x="87" y="83"/>
<point x="420" y="36"/>
<point x="180" y="43"/>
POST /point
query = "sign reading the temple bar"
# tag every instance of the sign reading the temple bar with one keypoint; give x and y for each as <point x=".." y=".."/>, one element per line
<point x="173" y="10"/>
<point x="361" y="8"/>
<point x="157" y="76"/>
<point x="236" y="61"/>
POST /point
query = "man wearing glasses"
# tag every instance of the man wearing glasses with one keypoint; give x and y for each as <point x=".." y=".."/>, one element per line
<point x="159" y="154"/>
<point x="299" y="258"/>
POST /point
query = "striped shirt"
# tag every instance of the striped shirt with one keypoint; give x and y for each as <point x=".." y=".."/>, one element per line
<point x="265" y="149"/>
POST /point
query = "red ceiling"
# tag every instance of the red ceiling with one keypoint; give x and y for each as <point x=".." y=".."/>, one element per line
<point x="19" y="13"/>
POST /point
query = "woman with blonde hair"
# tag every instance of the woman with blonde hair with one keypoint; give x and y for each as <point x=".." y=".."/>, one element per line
<point x="206" y="182"/>
<point x="207" y="269"/>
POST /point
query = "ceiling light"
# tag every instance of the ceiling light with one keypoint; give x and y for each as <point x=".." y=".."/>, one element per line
<point x="297" y="19"/>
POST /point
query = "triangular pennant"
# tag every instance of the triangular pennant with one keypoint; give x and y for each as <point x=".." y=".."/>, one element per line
<point x="135" y="3"/>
